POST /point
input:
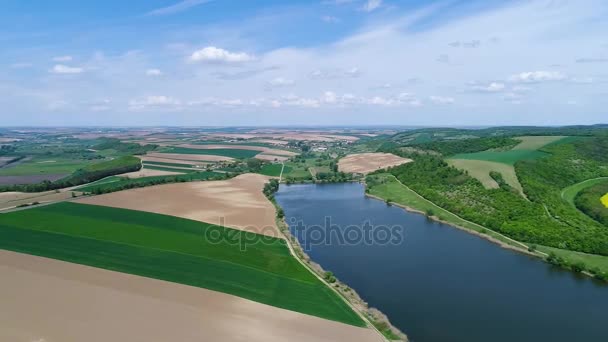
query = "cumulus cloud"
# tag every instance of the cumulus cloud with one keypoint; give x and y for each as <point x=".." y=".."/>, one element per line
<point x="212" y="54"/>
<point x="64" y="69"/>
<point x="280" y="82"/>
<point x="158" y="101"/>
<point x="537" y="76"/>
<point x="372" y="5"/>
<point x="63" y="59"/>
<point x="492" y="87"/>
<point x="441" y="99"/>
<point x="335" y="73"/>
<point x="154" y="72"/>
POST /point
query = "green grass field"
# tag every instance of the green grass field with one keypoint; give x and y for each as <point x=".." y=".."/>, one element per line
<point x="536" y="142"/>
<point x="170" y="169"/>
<point x="274" y="170"/>
<point x="481" y="169"/>
<point x="174" y="249"/>
<point x="44" y="166"/>
<point x="162" y="164"/>
<point x="224" y="152"/>
<point x="506" y="157"/>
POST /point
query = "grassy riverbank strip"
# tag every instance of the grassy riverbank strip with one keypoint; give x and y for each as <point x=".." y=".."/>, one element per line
<point x="387" y="188"/>
<point x="373" y="317"/>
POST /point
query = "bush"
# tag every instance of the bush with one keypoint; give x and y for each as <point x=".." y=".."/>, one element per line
<point x="579" y="267"/>
<point x="429" y="212"/>
<point x="532" y="248"/>
<point x="329" y="277"/>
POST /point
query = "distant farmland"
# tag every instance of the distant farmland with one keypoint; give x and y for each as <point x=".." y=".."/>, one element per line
<point x="224" y="152"/>
<point x="113" y="183"/>
<point x="274" y="170"/>
<point x="174" y="249"/>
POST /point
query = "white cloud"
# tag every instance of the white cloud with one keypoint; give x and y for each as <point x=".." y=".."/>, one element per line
<point x="329" y="97"/>
<point x="154" y="72"/>
<point x="280" y="82"/>
<point x="158" y="101"/>
<point x="63" y="59"/>
<point x="537" y="76"/>
<point x="492" y="87"/>
<point x="441" y="99"/>
<point x="213" y="54"/>
<point x="178" y="7"/>
<point x="319" y="74"/>
<point x="64" y="69"/>
<point x="372" y="5"/>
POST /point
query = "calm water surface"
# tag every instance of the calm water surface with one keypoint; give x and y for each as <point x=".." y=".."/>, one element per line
<point x="442" y="284"/>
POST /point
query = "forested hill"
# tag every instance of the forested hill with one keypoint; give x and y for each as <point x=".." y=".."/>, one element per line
<point x="541" y="216"/>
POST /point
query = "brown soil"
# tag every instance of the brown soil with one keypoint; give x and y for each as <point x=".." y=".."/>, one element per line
<point x="270" y="157"/>
<point x="149" y="173"/>
<point x="368" y="162"/>
<point x="13" y="199"/>
<point x="48" y="300"/>
<point x="172" y="161"/>
<point x="238" y="203"/>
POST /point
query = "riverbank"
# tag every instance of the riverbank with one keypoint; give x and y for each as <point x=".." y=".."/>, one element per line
<point x="396" y="193"/>
<point x="374" y="317"/>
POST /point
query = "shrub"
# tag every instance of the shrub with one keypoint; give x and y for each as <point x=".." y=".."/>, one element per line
<point x="579" y="267"/>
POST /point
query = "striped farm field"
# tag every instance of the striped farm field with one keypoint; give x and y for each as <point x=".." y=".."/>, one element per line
<point x="244" y="264"/>
<point x="224" y="152"/>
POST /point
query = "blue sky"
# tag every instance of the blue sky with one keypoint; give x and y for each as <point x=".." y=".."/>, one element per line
<point x="325" y="62"/>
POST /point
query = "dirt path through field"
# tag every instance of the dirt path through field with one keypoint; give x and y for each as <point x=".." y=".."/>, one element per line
<point x="49" y="300"/>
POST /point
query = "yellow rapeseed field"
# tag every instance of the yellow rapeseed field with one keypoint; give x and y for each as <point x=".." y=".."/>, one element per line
<point x="605" y="200"/>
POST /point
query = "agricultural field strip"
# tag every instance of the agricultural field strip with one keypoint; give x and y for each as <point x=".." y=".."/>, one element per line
<point x="284" y="252"/>
<point x="240" y="281"/>
<point x="171" y="168"/>
<point x="261" y="149"/>
<point x="89" y="216"/>
<point x="480" y="169"/>
<point x="536" y="142"/>
<point x="163" y="250"/>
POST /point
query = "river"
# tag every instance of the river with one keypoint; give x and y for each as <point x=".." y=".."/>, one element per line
<point x="439" y="283"/>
